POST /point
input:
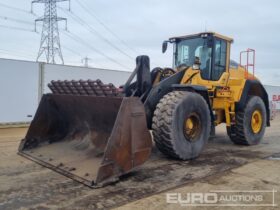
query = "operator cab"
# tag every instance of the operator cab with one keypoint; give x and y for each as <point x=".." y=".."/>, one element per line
<point x="207" y="52"/>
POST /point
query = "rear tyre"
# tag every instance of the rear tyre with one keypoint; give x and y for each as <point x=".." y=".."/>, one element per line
<point x="181" y="124"/>
<point x="250" y="123"/>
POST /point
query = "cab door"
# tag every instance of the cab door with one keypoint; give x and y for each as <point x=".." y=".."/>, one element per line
<point x="219" y="66"/>
<point x="218" y="73"/>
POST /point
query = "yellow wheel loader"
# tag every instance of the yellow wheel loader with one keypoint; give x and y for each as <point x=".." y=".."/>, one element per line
<point x="94" y="133"/>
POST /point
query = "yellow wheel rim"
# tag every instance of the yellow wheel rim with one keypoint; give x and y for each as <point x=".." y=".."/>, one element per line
<point x="256" y="121"/>
<point x="192" y="127"/>
<point x="189" y="124"/>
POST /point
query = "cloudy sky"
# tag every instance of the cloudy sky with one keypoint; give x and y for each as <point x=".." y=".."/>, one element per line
<point x="113" y="32"/>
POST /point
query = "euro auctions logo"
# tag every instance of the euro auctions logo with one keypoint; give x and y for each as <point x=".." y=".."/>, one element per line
<point x="190" y="199"/>
<point x="224" y="198"/>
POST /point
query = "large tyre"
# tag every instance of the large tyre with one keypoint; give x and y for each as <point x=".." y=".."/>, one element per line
<point x="250" y="123"/>
<point x="181" y="124"/>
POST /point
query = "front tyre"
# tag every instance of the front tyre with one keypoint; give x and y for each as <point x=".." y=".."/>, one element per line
<point x="181" y="124"/>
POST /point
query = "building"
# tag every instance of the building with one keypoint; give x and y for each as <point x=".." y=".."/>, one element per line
<point x="22" y="84"/>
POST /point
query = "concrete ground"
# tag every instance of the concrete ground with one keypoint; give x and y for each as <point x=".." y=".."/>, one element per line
<point x="258" y="175"/>
<point x="222" y="166"/>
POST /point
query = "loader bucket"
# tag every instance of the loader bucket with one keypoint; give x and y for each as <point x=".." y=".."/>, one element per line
<point x="91" y="139"/>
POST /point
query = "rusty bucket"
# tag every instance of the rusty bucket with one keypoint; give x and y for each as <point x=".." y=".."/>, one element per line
<point x="91" y="139"/>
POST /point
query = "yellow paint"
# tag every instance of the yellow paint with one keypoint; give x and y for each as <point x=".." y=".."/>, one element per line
<point x="224" y="92"/>
<point x="256" y="121"/>
<point x="192" y="127"/>
<point x="189" y="123"/>
<point x="230" y="40"/>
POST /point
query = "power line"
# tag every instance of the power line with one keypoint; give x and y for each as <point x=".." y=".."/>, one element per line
<point x="81" y="41"/>
<point x="72" y="36"/>
<point x="11" y="51"/>
<point x="20" y="52"/>
<point x="83" y="23"/>
<point x="105" y="26"/>
<point x="16" y="28"/>
<point x="19" y="21"/>
<point x="14" y="53"/>
<point x="15" y="8"/>
<point x="23" y="29"/>
<point x="96" y="33"/>
<point x="16" y="20"/>
<point x="73" y="51"/>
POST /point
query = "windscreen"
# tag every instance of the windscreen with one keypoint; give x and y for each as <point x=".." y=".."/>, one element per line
<point x="190" y="49"/>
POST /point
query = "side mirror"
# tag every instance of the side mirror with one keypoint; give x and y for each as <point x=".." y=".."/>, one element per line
<point x="164" y="46"/>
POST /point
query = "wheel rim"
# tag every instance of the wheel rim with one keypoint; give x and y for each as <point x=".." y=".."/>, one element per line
<point x="256" y="121"/>
<point x="192" y="127"/>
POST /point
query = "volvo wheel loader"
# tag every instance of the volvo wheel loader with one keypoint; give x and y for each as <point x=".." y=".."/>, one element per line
<point x="94" y="133"/>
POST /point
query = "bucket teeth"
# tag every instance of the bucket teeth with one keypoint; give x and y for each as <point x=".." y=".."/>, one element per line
<point x="84" y="88"/>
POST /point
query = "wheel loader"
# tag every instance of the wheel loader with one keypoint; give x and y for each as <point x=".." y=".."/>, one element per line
<point x="95" y="133"/>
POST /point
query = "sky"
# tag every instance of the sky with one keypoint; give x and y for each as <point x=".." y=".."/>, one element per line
<point x="122" y="29"/>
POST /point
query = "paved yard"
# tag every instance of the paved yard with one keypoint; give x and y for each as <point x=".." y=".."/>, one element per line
<point x="25" y="185"/>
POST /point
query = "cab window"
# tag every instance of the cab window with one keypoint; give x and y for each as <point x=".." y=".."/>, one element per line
<point x="220" y="59"/>
<point x="204" y="53"/>
<point x="187" y="51"/>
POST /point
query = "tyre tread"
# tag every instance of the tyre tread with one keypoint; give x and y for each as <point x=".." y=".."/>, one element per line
<point x="162" y="123"/>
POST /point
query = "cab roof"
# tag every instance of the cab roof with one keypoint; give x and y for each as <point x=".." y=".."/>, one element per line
<point x="202" y="34"/>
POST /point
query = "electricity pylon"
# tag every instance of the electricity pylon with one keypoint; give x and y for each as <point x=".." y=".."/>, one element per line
<point x="50" y="41"/>
<point x="85" y="61"/>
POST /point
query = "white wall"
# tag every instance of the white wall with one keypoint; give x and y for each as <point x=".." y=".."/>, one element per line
<point x="19" y="85"/>
<point x="18" y="90"/>
<point x="274" y="95"/>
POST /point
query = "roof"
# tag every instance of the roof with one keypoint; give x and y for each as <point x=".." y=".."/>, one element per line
<point x="204" y="33"/>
